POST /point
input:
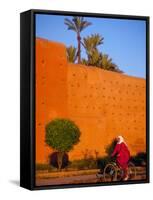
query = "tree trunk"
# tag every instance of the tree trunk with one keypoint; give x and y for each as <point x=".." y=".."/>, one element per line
<point x="60" y="160"/>
<point x="79" y="48"/>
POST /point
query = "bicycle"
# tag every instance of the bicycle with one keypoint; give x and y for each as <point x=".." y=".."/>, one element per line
<point x="112" y="172"/>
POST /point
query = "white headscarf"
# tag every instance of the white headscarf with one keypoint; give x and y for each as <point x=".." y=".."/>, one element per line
<point x="121" y="140"/>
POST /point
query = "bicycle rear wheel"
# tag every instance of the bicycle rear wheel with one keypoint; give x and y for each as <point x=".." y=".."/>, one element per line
<point x="132" y="171"/>
<point x="110" y="173"/>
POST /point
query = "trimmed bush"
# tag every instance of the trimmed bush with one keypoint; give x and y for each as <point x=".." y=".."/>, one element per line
<point x="62" y="135"/>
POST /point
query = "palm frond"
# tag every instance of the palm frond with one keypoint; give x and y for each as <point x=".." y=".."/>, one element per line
<point x="84" y="25"/>
<point x="71" y="54"/>
<point x="93" y="41"/>
<point x="108" y="64"/>
<point x="70" y="24"/>
<point x="77" y="24"/>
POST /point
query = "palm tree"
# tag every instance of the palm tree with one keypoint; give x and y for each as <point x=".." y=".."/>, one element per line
<point x="71" y="54"/>
<point x="96" y="58"/>
<point x="93" y="59"/>
<point x="77" y="24"/>
<point x="91" y="44"/>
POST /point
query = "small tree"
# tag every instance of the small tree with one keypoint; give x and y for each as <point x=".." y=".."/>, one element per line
<point x="62" y="135"/>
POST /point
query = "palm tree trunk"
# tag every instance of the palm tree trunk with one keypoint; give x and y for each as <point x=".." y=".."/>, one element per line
<point x="79" y="47"/>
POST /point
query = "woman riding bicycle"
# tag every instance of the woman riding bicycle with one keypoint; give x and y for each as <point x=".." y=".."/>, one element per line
<point x="123" y="155"/>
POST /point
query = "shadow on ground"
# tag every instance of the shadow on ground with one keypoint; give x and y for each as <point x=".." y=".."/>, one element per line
<point x="15" y="182"/>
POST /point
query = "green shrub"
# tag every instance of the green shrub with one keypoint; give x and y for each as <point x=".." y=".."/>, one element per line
<point x="48" y="167"/>
<point x="139" y="159"/>
<point x="83" y="164"/>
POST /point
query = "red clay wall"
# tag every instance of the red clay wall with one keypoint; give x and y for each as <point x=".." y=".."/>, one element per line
<point x="51" y="90"/>
<point x="103" y="104"/>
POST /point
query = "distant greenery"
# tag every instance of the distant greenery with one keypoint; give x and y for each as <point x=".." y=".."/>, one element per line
<point x="90" y="44"/>
<point x="61" y="135"/>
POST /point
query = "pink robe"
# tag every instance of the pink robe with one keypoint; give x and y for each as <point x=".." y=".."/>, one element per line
<point x="123" y="155"/>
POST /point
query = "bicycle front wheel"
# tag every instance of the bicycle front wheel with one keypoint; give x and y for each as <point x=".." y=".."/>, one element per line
<point x="110" y="173"/>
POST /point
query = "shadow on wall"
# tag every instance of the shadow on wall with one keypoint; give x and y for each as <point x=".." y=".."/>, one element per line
<point x="53" y="160"/>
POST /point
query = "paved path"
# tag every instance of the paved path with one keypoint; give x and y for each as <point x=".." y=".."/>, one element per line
<point x="77" y="179"/>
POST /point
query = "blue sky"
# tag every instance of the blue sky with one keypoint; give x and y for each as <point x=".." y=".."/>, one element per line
<point x="124" y="40"/>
